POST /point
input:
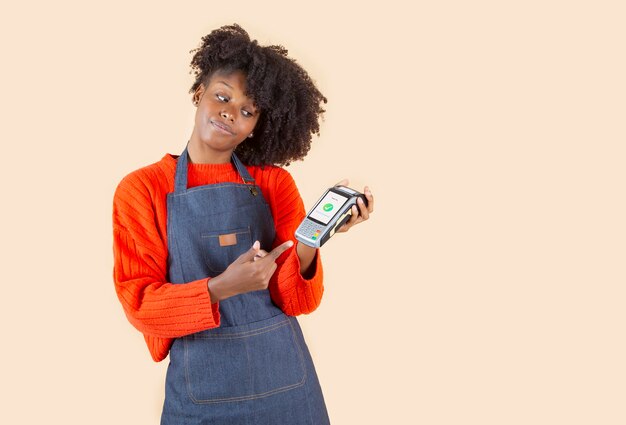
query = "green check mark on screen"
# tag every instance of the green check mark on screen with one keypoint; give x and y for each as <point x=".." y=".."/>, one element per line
<point x="328" y="207"/>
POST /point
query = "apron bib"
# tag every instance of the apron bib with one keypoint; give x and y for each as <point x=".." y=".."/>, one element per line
<point x="255" y="368"/>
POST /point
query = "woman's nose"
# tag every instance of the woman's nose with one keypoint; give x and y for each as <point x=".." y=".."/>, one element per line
<point x="226" y="115"/>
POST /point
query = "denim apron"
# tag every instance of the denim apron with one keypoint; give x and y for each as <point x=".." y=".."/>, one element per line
<point x="255" y="368"/>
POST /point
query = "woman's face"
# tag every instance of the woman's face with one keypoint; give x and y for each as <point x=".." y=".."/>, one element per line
<point x="225" y="116"/>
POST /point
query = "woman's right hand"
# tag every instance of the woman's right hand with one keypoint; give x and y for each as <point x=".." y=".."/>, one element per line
<point x="250" y="272"/>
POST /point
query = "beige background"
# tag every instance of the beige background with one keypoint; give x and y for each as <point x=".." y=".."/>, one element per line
<point x="488" y="287"/>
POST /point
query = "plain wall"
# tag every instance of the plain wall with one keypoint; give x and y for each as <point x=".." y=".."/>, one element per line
<point x="487" y="288"/>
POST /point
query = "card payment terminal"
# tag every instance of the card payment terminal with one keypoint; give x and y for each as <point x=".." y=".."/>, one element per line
<point x="330" y="212"/>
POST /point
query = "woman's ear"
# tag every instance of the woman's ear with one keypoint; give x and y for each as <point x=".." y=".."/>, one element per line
<point x="197" y="95"/>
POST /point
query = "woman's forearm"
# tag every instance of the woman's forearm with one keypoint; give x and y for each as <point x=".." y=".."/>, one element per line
<point x="306" y="255"/>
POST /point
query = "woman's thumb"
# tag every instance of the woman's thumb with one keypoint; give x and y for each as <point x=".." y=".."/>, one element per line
<point x="249" y="254"/>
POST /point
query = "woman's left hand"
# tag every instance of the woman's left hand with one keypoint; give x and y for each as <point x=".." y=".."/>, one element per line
<point x="361" y="213"/>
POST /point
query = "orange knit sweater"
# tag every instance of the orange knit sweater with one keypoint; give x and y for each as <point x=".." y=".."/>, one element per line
<point x="163" y="311"/>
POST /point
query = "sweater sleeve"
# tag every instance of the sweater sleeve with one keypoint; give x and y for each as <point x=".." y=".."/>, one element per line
<point x="292" y="293"/>
<point x="159" y="309"/>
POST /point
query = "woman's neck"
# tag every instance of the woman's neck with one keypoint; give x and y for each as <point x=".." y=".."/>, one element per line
<point x="202" y="154"/>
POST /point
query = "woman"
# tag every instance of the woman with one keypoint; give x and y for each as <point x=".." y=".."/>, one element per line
<point x="205" y="265"/>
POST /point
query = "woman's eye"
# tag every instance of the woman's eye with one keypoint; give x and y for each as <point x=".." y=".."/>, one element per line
<point x="246" y="113"/>
<point x="221" y="98"/>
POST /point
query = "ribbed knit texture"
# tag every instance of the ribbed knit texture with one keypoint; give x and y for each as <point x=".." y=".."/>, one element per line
<point x="163" y="311"/>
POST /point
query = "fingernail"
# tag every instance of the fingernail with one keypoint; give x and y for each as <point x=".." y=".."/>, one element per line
<point x="290" y="243"/>
<point x="256" y="245"/>
<point x="360" y="201"/>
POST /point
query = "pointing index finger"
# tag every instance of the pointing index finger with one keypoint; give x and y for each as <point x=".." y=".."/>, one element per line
<point x="276" y="252"/>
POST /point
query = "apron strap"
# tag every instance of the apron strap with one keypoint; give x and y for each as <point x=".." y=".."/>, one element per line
<point x="243" y="171"/>
<point x="180" y="180"/>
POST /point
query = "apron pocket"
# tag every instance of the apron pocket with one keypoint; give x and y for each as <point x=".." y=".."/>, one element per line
<point x="221" y="248"/>
<point x="243" y="362"/>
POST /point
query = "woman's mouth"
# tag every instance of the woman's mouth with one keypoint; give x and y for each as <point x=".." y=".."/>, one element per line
<point x="223" y="128"/>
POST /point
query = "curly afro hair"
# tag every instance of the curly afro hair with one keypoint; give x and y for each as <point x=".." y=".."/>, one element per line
<point x="289" y="102"/>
